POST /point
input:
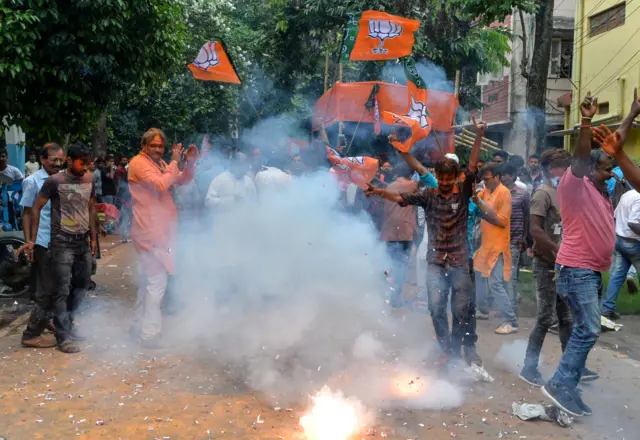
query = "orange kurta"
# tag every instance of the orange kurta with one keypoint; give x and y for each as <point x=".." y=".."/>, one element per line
<point x="495" y="240"/>
<point x="154" y="212"/>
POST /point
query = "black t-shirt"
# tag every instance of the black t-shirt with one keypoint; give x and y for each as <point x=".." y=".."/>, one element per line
<point x="108" y="183"/>
<point x="70" y="197"/>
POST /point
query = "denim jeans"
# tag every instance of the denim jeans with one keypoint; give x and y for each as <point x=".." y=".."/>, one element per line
<point x="549" y="305"/>
<point x="581" y="288"/>
<point x="440" y="280"/>
<point x="399" y="252"/>
<point x="496" y="287"/>
<point x="42" y="298"/>
<point x="626" y="254"/>
<point x="109" y="199"/>
<point x="516" y="251"/>
<point x="71" y="262"/>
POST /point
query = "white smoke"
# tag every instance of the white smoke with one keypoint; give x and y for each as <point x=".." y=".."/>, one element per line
<point x="288" y="291"/>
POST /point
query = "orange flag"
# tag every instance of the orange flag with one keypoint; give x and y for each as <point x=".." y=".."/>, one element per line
<point x="380" y="36"/>
<point x="213" y="64"/>
<point x="417" y="116"/>
<point x="359" y="170"/>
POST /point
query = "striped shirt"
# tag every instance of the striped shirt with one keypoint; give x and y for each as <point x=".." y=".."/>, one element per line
<point x="519" y="214"/>
<point x="446" y="220"/>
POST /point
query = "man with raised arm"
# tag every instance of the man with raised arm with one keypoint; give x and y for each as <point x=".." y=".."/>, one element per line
<point x="586" y="251"/>
<point x="446" y="210"/>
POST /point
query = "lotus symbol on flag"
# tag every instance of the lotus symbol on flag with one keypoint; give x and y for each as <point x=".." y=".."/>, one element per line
<point x="383" y="29"/>
<point x="418" y="112"/>
<point x="208" y="56"/>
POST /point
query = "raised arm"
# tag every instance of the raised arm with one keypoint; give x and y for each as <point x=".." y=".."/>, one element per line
<point x="580" y="165"/>
<point x="382" y="194"/>
<point x="185" y="176"/>
<point x="613" y="143"/>
<point x="475" y="151"/>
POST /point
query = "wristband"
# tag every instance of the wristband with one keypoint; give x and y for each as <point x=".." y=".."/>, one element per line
<point x="587" y="118"/>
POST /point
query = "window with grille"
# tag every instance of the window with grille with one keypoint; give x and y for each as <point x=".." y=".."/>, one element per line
<point x="607" y="20"/>
<point x="561" y="58"/>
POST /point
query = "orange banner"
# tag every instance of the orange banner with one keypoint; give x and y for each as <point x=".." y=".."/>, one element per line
<point x="346" y="102"/>
<point x="359" y="170"/>
<point x="383" y="36"/>
<point x="213" y="64"/>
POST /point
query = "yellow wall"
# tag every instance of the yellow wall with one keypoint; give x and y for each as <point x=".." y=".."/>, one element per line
<point x="598" y="68"/>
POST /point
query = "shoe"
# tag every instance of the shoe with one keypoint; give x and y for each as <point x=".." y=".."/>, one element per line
<point x="577" y="397"/>
<point x="68" y="346"/>
<point x="632" y="288"/>
<point x="506" y="329"/>
<point x="531" y="376"/>
<point x="482" y="316"/>
<point x="563" y="399"/>
<point x="612" y="315"/>
<point x="42" y="341"/>
<point x="589" y="376"/>
<point x="153" y="343"/>
<point x="471" y="356"/>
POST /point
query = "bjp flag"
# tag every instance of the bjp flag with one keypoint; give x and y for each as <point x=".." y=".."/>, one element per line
<point x="213" y="64"/>
<point x="417" y="115"/>
<point x="377" y="35"/>
<point x="359" y="170"/>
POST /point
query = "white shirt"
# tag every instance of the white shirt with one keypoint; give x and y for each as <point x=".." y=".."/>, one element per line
<point x="11" y="174"/>
<point x="271" y="177"/>
<point x="628" y="211"/>
<point x="31" y="168"/>
<point x="226" y="189"/>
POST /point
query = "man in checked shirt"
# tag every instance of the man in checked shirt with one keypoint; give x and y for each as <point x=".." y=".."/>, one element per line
<point x="446" y="209"/>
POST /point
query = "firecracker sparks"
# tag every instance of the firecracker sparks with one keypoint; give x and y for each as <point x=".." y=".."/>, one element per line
<point x="332" y="417"/>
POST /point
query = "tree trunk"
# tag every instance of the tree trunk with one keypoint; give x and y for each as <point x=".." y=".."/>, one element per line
<point x="539" y="72"/>
<point x="99" y="136"/>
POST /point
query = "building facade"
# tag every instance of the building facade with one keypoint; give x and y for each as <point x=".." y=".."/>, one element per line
<point x="606" y="63"/>
<point x="504" y="93"/>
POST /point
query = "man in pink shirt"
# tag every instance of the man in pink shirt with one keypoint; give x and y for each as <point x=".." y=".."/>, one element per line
<point x="154" y="226"/>
<point x="586" y="251"/>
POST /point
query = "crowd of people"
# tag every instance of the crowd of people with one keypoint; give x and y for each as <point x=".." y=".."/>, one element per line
<point x="480" y="220"/>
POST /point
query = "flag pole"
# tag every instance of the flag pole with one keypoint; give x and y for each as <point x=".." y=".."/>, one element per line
<point x="246" y="96"/>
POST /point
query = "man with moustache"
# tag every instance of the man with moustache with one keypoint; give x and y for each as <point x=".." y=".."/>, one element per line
<point x="72" y="196"/>
<point x="52" y="158"/>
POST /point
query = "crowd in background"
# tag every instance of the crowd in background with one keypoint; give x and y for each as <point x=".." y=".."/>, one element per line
<point x="471" y="224"/>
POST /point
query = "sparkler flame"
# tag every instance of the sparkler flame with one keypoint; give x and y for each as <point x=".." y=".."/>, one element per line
<point x="332" y="417"/>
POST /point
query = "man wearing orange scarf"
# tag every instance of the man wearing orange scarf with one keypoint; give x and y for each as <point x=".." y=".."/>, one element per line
<point x="154" y="227"/>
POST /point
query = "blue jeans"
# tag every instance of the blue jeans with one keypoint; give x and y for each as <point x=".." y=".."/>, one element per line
<point x="581" y="288"/>
<point x="497" y="288"/>
<point x="626" y="254"/>
<point x="441" y="280"/>
<point x="109" y="199"/>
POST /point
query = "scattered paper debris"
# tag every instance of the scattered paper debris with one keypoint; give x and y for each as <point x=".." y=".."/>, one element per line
<point x="478" y="373"/>
<point x="549" y="413"/>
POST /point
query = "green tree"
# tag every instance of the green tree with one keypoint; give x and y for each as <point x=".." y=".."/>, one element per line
<point x="62" y="62"/>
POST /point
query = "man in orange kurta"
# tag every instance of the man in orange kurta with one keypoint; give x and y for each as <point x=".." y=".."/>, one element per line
<point x="492" y="261"/>
<point x="154" y="227"/>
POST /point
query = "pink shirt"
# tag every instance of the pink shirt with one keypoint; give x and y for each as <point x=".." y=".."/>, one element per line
<point x="588" y="236"/>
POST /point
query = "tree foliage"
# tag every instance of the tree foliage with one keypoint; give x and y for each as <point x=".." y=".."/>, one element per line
<point x="62" y="62"/>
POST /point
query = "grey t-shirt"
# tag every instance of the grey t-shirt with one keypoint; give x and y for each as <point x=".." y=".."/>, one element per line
<point x="70" y="197"/>
<point x="545" y="204"/>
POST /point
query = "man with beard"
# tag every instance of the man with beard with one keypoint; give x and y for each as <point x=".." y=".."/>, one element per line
<point x="52" y="158"/>
<point x="537" y="177"/>
<point x="72" y="196"/>
<point x="446" y="211"/>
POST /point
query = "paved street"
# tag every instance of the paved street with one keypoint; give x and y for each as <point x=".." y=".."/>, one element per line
<point x="112" y="389"/>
